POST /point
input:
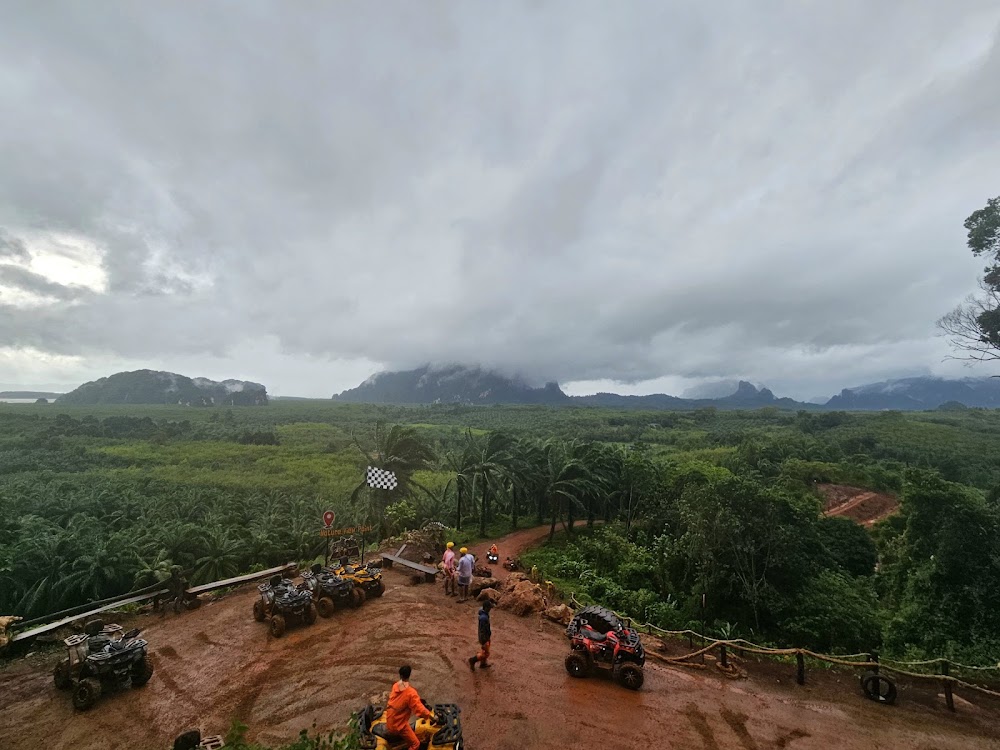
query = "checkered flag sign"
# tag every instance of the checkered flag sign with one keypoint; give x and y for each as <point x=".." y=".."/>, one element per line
<point x="381" y="479"/>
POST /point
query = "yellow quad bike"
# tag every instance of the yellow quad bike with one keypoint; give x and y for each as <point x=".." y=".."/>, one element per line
<point x="443" y="733"/>
<point x="368" y="578"/>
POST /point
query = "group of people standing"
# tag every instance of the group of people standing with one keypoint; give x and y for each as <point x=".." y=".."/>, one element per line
<point x="460" y="572"/>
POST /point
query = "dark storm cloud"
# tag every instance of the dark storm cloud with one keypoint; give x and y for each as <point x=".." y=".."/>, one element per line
<point x="567" y="190"/>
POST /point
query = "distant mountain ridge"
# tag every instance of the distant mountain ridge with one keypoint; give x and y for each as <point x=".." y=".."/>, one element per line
<point x="917" y="394"/>
<point x="456" y="384"/>
<point x="450" y="385"/>
<point x="156" y="387"/>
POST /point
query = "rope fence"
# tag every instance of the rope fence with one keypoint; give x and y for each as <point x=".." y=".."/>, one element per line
<point x="871" y="661"/>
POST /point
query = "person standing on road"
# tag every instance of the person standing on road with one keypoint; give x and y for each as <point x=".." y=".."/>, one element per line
<point x="449" y="570"/>
<point x="485" y="636"/>
<point x="403" y="701"/>
<point x="465" y="563"/>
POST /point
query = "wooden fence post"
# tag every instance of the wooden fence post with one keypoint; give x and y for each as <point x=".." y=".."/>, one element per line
<point x="948" y="697"/>
<point x="723" y="659"/>
<point x="800" y="676"/>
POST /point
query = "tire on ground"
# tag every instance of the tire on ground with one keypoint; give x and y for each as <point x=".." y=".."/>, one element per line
<point x="576" y="665"/>
<point x="258" y="611"/>
<point x="325" y="606"/>
<point x="86" y="693"/>
<point x="357" y="597"/>
<point x="142" y="670"/>
<point x="629" y="675"/>
<point x="380" y="589"/>
<point x="879" y="688"/>
<point x="309" y="616"/>
<point x="61" y="675"/>
<point x="277" y="626"/>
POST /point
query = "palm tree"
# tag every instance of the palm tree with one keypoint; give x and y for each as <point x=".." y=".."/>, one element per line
<point x="491" y="461"/>
<point x="565" y="478"/>
<point x="460" y="462"/>
<point x="401" y="450"/>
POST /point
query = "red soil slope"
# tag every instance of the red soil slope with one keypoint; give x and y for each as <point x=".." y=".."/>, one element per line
<point x="216" y="663"/>
<point x="864" y="506"/>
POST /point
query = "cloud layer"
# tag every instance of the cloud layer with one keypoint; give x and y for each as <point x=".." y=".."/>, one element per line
<point x="768" y="190"/>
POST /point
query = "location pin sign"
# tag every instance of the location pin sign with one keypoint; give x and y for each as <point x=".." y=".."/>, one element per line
<point x="328" y="518"/>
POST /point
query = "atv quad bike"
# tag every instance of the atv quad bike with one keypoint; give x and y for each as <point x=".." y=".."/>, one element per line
<point x="281" y="601"/>
<point x="101" y="659"/>
<point x="600" y="642"/>
<point x="330" y="591"/>
<point x="493" y="557"/>
<point x="443" y="733"/>
<point x="367" y="578"/>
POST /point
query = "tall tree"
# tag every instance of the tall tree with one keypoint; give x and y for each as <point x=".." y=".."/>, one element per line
<point x="974" y="326"/>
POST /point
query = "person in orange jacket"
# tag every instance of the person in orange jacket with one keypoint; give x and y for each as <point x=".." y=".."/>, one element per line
<point x="403" y="701"/>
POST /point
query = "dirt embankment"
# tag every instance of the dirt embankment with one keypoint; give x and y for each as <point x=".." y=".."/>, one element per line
<point x="860" y="505"/>
<point x="216" y="663"/>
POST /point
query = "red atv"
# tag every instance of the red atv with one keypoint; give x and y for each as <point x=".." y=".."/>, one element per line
<point x="600" y="642"/>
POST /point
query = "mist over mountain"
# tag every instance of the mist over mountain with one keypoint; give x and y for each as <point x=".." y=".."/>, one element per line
<point x="156" y="387"/>
<point x="456" y="384"/>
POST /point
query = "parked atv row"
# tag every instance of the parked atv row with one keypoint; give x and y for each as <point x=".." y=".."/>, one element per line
<point x="102" y="659"/>
<point x="323" y="591"/>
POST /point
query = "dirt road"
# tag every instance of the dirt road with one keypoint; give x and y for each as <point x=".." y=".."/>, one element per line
<point x="216" y="663"/>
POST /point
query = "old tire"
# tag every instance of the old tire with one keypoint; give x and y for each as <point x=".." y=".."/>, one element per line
<point x="61" y="675"/>
<point x="309" y="616"/>
<point x="141" y="672"/>
<point x="188" y="740"/>
<point x="258" y="611"/>
<point x="192" y="603"/>
<point x="86" y="693"/>
<point x="630" y="675"/>
<point x="879" y="688"/>
<point x="601" y="619"/>
<point x="357" y="598"/>
<point x="277" y="626"/>
<point x="325" y="606"/>
<point x="380" y="589"/>
<point x="576" y="665"/>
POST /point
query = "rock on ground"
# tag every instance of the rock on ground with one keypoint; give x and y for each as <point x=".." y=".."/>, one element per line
<point x="492" y="594"/>
<point x="523" y="598"/>
<point x="478" y="584"/>
<point x="560" y="613"/>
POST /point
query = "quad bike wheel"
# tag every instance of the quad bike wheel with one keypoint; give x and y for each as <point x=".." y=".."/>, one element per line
<point x="380" y="589"/>
<point x="325" y="606"/>
<point x="258" y="611"/>
<point x="86" y="693"/>
<point x="61" y="675"/>
<point x="630" y="675"/>
<point x="576" y="665"/>
<point x="357" y="598"/>
<point x="277" y="626"/>
<point x="878" y="688"/>
<point x="141" y="672"/>
<point x="309" y="616"/>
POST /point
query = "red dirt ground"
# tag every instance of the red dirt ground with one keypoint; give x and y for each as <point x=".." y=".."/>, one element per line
<point x="216" y="663"/>
<point x="860" y="505"/>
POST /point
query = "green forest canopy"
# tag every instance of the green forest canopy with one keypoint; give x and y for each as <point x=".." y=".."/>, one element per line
<point x="95" y="501"/>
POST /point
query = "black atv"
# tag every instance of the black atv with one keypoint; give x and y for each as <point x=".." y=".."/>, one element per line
<point x="601" y="642"/>
<point x="281" y="600"/>
<point x="100" y="659"/>
<point x="330" y="591"/>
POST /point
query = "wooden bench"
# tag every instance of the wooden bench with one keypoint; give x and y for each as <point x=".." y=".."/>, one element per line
<point x="429" y="572"/>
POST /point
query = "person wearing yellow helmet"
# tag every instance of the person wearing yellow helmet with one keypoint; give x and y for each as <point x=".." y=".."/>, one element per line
<point x="448" y="563"/>
<point x="465" y="563"/>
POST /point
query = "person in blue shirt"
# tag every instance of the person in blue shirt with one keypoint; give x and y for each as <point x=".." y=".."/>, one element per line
<point x="465" y="563"/>
<point x="485" y="636"/>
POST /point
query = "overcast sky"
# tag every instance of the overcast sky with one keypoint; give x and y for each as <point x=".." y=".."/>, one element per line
<point x="638" y="196"/>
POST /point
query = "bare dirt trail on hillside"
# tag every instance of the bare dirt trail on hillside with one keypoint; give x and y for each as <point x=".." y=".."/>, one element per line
<point x="216" y="663"/>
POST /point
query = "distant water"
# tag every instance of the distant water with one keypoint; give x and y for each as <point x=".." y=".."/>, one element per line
<point x="17" y="400"/>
